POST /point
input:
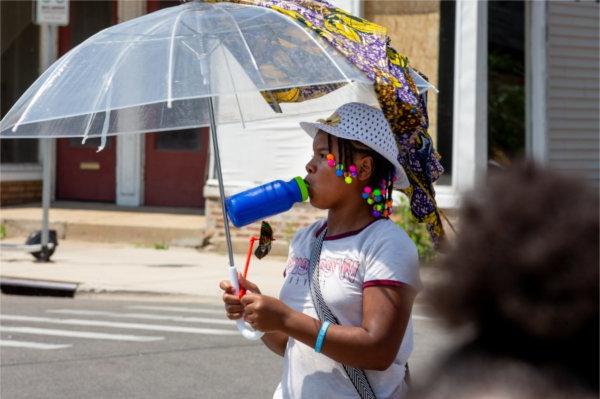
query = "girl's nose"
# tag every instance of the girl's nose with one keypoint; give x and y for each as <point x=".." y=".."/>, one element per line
<point x="310" y="168"/>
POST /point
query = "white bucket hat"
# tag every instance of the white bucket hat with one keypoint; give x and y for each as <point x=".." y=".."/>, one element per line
<point x="366" y="124"/>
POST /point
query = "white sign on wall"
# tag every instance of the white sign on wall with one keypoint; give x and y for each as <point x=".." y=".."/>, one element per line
<point x="52" y="12"/>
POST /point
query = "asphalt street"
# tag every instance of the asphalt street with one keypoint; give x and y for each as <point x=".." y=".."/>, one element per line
<point x="146" y="347"/>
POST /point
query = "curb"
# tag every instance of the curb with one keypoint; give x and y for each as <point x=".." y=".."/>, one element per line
<point x="32" y="287"/>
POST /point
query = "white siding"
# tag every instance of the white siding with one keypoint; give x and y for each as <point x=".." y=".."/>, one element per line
<point x="573" y="87"/>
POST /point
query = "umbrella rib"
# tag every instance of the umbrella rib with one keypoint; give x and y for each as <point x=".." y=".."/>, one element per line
<point x="171" y="57"/>
<point x="107" y="82"/>
<point x="48" y="83"/>
<point x="244" y="40"/>
<point x="237" y="27"/>
<point x="326" y="53"/>
<point x="235" y="93"/>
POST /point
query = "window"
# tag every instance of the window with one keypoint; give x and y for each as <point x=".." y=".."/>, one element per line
<point x="506" y="81"/>
<point x="178" y="140"/>
<point x="19" y="40"/>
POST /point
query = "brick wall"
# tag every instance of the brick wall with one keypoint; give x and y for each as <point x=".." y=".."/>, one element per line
<point x="414" y="28"/>
<point x="20" y="192"/>
<point x="284" y="226"/>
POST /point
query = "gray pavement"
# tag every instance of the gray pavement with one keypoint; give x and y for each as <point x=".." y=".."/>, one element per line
<point x="149" y="346"/>
<point x="125" y="268"/>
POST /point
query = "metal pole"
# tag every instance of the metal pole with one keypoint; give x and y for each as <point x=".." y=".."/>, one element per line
<point x="215" y="140"/>
<point x="45" y="197"/>
<point x="48" y="35"/>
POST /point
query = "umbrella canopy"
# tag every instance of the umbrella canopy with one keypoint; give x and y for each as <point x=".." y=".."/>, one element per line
<point x="155" y="73"/>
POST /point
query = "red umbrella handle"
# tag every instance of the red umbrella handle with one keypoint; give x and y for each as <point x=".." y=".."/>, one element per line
<point x="248" y="257"/>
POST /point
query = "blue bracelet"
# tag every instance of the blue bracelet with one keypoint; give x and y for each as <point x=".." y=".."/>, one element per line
<point x="321" y="337"/>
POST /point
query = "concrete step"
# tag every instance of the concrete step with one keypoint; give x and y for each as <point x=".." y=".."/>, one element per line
<point x="144" y="226"/>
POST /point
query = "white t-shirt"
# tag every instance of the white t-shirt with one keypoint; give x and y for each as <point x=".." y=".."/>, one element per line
<point x="379" y="254"/>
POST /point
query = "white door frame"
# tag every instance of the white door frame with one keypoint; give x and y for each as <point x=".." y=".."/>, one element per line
<point x="130" y="147"/>
<point x="469" y="129"/>
<point x="536" y="138"/>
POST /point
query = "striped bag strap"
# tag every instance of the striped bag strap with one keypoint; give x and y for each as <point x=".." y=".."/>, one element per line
<point x="357" y="376"/>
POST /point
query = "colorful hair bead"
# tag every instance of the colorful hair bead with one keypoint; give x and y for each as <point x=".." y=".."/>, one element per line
<point x="377" y="198"/>
<point x="353" y="170"/>
<point x="330" y="160"/>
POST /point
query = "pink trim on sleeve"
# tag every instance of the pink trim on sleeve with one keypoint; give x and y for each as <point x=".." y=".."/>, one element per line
<point x="385" y="283"/>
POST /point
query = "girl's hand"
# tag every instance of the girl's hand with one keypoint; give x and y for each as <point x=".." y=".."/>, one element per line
<point x="233" y="307"/>
<point x="265" y="313"/>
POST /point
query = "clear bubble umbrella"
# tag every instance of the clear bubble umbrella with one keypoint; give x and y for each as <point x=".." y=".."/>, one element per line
<point x="197" y="64"/>
<point x="158" y="73"/>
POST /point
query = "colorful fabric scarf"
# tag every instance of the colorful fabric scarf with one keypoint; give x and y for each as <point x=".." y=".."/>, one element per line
<point x="366" y="45"/>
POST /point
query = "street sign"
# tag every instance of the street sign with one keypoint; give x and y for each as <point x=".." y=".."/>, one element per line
<point x="52" y="12"/>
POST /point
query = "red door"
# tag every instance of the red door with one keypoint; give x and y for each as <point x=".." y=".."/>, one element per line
<point x="175" y="168"/>
<point x="82" y="173"/>
<point x="175" y="162"/>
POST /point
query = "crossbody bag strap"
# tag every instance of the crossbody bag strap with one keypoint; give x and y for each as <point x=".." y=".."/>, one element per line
<point x="357" y="376"/>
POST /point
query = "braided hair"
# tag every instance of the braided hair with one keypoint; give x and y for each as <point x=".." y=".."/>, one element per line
<point x="383" y="170"/>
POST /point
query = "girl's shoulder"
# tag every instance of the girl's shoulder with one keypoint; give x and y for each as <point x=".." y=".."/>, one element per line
<point x="309" y="231"/>
<point x="385" y="236"/>
<point x="387" y="230"/>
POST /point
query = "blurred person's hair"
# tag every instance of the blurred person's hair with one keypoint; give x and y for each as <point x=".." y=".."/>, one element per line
<point x="522" y="271"/>
<point x="475" y="375"/>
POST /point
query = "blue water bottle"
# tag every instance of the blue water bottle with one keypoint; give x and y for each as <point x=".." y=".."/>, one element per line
<point x="264" y="201"/>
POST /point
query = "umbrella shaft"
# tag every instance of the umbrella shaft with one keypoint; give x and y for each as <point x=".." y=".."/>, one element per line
<point x="213" y="132"/>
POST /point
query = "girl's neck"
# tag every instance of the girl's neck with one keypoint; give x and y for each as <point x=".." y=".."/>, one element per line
<point x="349" y="218"/>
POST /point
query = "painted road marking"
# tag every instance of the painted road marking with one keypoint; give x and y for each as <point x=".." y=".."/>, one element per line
<point x="78" y="334"/>
<point x="135" y="326"/>
<point x="178" y="309"/>
<point x="146" y="316"/>
<point x="426" y="318"/>
<point x="31" y="345"/>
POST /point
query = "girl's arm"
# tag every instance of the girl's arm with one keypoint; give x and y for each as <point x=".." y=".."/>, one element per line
<point x="276" y="342"/>
<point x="372" y="346"/>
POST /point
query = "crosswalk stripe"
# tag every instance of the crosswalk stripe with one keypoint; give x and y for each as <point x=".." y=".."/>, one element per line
<point x="135" y="326"/>
<point x="32" y="345"/>
<point x="78" y="334"/>
<point x="147" y="316"/>
<point x="177" y="309"/>
<point x="418" y="317"/>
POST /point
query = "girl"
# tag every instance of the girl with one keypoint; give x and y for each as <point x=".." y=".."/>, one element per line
<point x="342" y="320"/>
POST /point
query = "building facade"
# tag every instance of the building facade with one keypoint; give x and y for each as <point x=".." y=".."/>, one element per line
<point x="514" y="79"/>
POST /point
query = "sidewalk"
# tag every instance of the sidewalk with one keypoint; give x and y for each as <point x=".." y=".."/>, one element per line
<point x="100" y="268"/>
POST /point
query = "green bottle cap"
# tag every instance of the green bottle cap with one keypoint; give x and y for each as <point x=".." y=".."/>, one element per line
<point x="303" y="187"/>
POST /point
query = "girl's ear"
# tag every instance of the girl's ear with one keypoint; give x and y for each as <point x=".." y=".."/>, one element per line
<point x="365" y="168"/>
